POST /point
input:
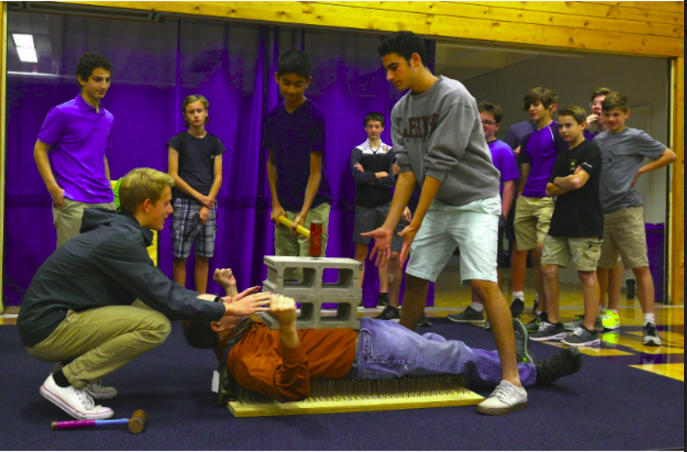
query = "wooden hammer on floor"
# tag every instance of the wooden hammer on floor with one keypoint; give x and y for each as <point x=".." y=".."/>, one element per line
<point x="136" y="424"/>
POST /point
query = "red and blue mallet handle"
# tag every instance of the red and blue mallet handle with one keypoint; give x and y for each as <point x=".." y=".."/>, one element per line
<point x="136" y="424"/>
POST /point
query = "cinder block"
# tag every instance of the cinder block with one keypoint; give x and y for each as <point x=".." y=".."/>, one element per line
<point x="312" y="292"/>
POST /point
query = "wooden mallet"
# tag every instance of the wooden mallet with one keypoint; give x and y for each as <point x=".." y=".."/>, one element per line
<point x="136" y="424"/>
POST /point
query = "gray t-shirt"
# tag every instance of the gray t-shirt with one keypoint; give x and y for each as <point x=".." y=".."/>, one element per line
<point x="622" y="155"/>
<point x="439" y="133"/>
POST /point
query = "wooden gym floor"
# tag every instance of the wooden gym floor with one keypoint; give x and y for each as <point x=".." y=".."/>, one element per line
<point x="624" y="346"/>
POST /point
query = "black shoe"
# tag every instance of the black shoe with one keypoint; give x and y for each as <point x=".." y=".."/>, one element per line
<point x="470" y="315"/>
<point x="535" y="307"/>
<point x="650" y="336"/>
<point x="567" y="362"/>
<point x="517" y="307"/>
<point x="383" y="300"/>
<point x="522" y="343"/>
<point x="390" y="313"/>
<point x="535" y="323"/>
<point x="424" y="322"/>
<point x="549" y="332"/>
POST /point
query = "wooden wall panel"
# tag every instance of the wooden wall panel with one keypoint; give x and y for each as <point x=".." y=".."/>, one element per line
<point x="677" y="283"/>
<point x="3" y="84"/>
<point x="591" y="27"/>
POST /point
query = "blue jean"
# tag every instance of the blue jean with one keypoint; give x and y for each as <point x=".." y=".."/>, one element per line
<point x="388" y="350"/>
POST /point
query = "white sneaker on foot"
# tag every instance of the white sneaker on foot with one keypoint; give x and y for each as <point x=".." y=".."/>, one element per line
<point x="75" y="402"/>
<point x="506" y="398"/>
<point x="98" y="391"/>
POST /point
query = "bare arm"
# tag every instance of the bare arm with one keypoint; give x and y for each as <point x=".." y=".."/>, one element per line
<point x="574" y="181"/>
<point x="524" y="175"/>
<point x="107" y="170"/>
<point x="277" y="209"/>
<point x="508" y="196"/>
<point x="217" y="178"/>
<point x="40" y="155"/>
<point x="553" y="191"/>
<point x="173" y="170"/>
<point x="311" y="189"/>
<point x="668" y="158"/>
<point x="404" y="190"/>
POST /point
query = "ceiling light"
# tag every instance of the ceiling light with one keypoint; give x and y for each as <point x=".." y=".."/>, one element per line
<point x="27" y="55"/>
<point x="22" y="40"/>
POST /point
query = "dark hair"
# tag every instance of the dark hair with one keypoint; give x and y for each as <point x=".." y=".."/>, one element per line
<point x="294" y="62"/>
<point x="600" y="92"/>
<point x="88" y="63"/>
<point x="578" y="113"/>
<point x="546" y="96"/>
<point x="198" y="334"/>
<point x="495" y="110"/>
<point x="616" y="100"/>
<point x="405" y="44"/>
<point x="374" y="116"/>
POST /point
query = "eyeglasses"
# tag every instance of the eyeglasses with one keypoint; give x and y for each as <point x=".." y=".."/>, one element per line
<point x="489" y="123"/>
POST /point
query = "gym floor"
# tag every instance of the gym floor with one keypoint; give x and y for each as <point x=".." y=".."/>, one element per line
<point x="624" y="346"/>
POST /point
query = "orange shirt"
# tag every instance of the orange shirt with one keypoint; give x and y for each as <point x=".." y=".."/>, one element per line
<point x="260" y="363"/>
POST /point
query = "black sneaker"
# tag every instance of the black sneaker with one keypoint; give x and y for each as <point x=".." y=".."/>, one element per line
<point x="567" y="362"/>
<point x="582" y="337"/>
<point x="517" y="307"/>
<point x="549" y="332"/>
<point x="424" y="322"/>
<point x="390" y="313"/>
<point x="651" y="337"/>
<point x="383" y="300"/>
<point x="534" y="324"/>
<point x="470" y="315"/>
<point x="522" y="343"/>
<point x="535" y="306"/>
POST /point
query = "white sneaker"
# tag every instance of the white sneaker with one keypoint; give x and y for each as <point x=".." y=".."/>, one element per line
<point x="97" y="391"/>
<point x="506" y="398"/>
<point x="75" y="402"/>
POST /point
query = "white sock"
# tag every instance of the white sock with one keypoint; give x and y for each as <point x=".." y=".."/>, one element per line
<point x="649" y="318"/>
<point x="614" y="311"/>
<point x="539" y="312"/>
<point x="602" y="310"/>
<point x="520" y="295"/>
<point x="479" y="307"/>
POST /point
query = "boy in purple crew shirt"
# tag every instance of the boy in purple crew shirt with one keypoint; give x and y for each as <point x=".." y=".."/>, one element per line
<point x="195" y="164"/>
<point x="294" y="135"/>
<point x="439" y="143"/>
<point x="576" y="229"/>
<point x="623" y="151"/>
<point x="491" y="116"/>
<point x="72" y="147"/>
<point x="537" y="158"/>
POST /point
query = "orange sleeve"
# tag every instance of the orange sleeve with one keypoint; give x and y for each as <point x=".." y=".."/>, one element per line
<point x="286" y="379"/>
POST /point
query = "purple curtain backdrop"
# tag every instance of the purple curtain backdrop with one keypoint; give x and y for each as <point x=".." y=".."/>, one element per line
<point x="155" y="66"/>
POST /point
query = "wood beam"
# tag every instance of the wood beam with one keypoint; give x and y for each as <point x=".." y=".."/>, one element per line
<point x="3" y="128"/>
<point x="677" y="261"/>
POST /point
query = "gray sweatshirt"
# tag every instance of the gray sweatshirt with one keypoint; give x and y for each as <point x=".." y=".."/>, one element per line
<point x="439" y="133"/>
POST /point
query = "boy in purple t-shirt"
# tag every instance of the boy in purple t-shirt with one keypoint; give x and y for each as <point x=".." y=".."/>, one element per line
<point x="72" y="146"/>
<point x="294" y="134"/>
<point x="503" y="156"/>
<point x="537" y="158"/>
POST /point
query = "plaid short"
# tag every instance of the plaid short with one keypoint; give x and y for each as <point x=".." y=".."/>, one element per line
<point x="186" y="230"/>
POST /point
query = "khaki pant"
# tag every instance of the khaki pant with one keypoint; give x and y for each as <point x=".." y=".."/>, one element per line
<point x="625" y="236"/>
<point x="584" y="252"/>
<point x="532" y="221"/>
<point x="67" y="220"/>
<point x="286" y="244"/>
<point x="100" y="341"/>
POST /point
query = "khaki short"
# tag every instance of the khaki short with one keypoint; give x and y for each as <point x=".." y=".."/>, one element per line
<point x="532" y="221"/>
<point x="584" y="252"/>
<point x="67" y="220"/>
<point x="625" y="236"/>
<point x="286" y="244"/>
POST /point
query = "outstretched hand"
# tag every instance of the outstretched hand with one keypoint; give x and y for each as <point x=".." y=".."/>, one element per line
<point x="408" y="234"/>
<point x="382" y="248"/>
<point x="244" y="304"/>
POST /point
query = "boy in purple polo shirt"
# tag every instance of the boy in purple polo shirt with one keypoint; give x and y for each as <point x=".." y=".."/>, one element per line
<point x="491" y="116"/>
<point x="537" y="158"/>
<point x="72" y="146"/>
<point x="294" y="135"/>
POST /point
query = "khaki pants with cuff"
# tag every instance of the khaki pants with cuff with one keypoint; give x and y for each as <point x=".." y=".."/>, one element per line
<point x="100" y="341"/>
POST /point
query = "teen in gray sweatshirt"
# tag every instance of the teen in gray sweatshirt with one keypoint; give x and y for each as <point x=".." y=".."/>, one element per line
<point x="439" y="143"/>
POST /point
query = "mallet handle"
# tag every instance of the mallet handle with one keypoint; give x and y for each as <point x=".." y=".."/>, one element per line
<point x="70" y="425"/>
<point x="288" y="223"/>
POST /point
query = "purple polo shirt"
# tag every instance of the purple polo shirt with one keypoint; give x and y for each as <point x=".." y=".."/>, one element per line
<point x="504" y="161"/>
<point x="540" y="149"/>
<point x="80" y="139"/>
